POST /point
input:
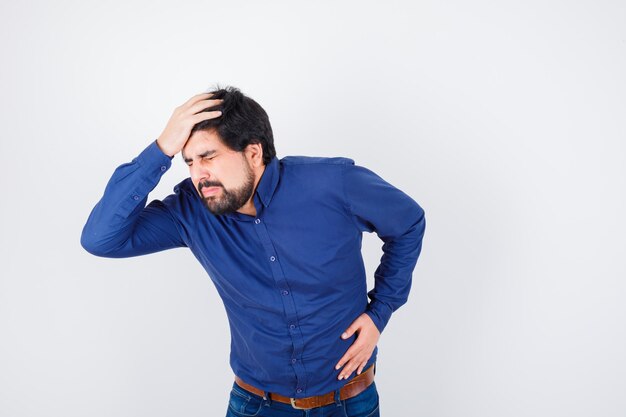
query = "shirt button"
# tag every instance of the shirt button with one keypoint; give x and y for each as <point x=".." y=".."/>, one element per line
<point x="285" y="292"/>
<point x="136" y="197"/>
<point x="292" y="326"/>
<point x="163" y="168"/>
<point x="257" y="221"/>
<point x="272" y="258"/>
<point x="294" y="360"/>
<point x="299" y="390"/>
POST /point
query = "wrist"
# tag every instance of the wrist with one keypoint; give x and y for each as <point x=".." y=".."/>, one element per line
<point x="164" y="149"/>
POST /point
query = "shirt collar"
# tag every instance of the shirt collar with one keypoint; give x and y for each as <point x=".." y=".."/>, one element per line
<point x="269" y="181"/>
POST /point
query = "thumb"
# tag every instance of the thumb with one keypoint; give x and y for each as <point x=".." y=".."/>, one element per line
<point x="350" y="330"/>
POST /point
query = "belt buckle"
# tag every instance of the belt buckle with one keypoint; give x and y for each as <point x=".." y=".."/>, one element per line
<point x="293" y="404"/>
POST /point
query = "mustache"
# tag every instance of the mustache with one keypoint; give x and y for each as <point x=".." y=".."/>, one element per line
<point x="204" y="184"/>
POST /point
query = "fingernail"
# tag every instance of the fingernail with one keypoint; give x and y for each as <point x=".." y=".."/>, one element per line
<point x="344" y="335"/>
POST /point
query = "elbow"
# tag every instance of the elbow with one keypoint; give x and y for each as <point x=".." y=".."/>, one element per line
<point x="422" y="219"/>
<point x="415" y="232"/>
<point x="89" y="242"/>
<point x="99" y="245"/>
<point x="418" y="228"/>
<point x="419" y="225"/>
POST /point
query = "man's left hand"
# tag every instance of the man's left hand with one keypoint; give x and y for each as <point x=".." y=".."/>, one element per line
<point x="359" y="353"/>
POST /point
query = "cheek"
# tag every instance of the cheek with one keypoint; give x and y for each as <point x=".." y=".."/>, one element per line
<point x="222" y="176"/>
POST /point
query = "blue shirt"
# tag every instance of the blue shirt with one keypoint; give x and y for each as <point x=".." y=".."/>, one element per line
<point x="292" y="278"/>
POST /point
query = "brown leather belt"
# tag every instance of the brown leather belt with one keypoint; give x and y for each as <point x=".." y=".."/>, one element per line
<point x="354" y="387"/>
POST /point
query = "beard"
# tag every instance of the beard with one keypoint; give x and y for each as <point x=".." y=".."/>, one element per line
<point x="230" y="200"/>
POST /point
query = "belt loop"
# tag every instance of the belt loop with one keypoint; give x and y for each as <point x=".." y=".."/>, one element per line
<point x="267" y="398"/>
<point x="337" y="398"/>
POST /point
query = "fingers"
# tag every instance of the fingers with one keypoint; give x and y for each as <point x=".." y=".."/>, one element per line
<point x="352" y="351"/>
<point x="350" y="330"/>
<point x="202" y="105"/>
<point x="359" y="353"/>
<point x="195" y="99"/>
<point x="205" y="115"/>
<point x="357" y="363"/>
<point x="355" y="358"/>
<point x="361" y="366"/>
<point x="183" y="119"/>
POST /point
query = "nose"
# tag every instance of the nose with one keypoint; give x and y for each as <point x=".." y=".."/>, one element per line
<point x="199" y="173"/>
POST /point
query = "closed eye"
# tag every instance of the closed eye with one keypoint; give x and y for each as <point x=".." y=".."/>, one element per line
<point x="205" y="156"/>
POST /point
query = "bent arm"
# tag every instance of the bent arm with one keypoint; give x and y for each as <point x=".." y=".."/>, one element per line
<point x="399" y="221"/>
<point x="121" y="225"/>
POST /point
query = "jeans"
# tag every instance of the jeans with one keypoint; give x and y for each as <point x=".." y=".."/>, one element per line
<point x="243" y="403"/>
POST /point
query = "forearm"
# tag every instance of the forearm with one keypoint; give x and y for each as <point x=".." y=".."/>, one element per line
<point x="377" y="206"/>
<point x="120" y="224"/>
<point x="393" y="277"/>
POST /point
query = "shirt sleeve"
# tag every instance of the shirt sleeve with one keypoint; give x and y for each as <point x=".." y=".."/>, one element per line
<point x="377" y="206"/>
<point x="121" y="225"/>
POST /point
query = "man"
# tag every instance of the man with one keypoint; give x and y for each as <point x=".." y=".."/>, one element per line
<point x="281" y="241"/>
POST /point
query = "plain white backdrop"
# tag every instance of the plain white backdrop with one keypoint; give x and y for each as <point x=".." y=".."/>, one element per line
<point x="504" y="120"/>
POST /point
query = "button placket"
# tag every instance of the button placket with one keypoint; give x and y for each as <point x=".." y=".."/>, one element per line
<point x="291" y="317"/>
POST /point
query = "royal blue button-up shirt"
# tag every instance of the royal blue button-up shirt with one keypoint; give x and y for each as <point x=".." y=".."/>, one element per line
<point x="292" y="278"/>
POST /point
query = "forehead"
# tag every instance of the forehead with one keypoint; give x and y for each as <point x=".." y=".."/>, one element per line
<point x="202" y="141"/>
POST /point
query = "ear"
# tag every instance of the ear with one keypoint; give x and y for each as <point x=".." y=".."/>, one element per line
<point x="254" y="154"/>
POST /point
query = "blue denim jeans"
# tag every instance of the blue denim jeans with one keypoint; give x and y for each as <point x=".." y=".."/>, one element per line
<point x="243" y="403"/>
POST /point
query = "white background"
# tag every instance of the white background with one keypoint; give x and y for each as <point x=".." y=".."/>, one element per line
<point x="504" y="120"/>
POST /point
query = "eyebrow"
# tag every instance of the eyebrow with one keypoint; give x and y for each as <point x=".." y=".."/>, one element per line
<point x="201" y="155"/>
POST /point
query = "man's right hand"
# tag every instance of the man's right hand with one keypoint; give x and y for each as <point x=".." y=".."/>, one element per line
<point x="184" y="118"/>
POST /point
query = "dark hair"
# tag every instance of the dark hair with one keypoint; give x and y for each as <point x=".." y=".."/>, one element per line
<point x="243" y="121"/>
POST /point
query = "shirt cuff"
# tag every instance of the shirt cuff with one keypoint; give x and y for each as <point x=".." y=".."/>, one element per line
<point x="380" y="314"/>
<point x="153" y="156"/>
<point x="144" y="174"/>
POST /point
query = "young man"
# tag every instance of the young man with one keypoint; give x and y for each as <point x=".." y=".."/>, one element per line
<point x="281" y="241"/>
